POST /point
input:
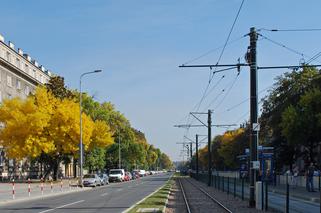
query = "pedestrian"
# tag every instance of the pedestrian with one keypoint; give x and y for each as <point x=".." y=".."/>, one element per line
<point x="309" y="176"/>
<point x="295" y="176"/>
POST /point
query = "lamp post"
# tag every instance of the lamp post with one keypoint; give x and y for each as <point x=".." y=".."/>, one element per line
<point x="80" y="143"/>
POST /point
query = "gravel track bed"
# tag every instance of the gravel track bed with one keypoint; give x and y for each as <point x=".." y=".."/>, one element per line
<point x="198" y="201"/>
<point x="175" y="200"/>
<point x="234" y="204"/>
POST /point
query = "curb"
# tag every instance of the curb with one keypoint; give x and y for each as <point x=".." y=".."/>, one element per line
<point x="137" y="203"/>
<point x="300" y="197"/>
<point x="38" y="197"/>
<point x="166" y="202"/>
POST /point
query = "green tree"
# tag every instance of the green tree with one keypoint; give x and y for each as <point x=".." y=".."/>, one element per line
<point x="287" y="91"/>
<point x="301" y="123"/>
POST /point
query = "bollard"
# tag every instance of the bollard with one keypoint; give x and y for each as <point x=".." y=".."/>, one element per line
<point x="262" y="195"/>
<point x="228" y="185"/>
<point x="242" y="188"/>
<point x="287" y="195"/>
<point x="266" y="195"/>
<point x="41" y="186"/>
<point x="234" y="187"/>
<point x="29" y="189"/>
<point x="13" y="190"/>
<point x="223" y="183"/>
<point x="60" y="184"/>
<point x="219" y="183"/>
<point x="69" y="183"/>
<point x="51" y="186"/>
<point x="319" y="183"/>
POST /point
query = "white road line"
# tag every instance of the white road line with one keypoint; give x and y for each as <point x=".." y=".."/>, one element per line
<point x="104" y="194"/>
<point x="59" y="207"/>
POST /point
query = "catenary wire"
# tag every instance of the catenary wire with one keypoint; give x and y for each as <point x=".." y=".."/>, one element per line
<point x="221" y="54"/>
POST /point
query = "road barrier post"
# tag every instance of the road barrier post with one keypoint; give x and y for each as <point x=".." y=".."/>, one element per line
<point x="51" y="186"/>
<point x="234" y="187"/>
<point x="29" y="189"/>
<point x="266" y="195"/>
<point x="223" y="183"/>
<point x="228" y="185"/>
<point x="319" y="183"/>
<point x="69" y="183"/>
<point x="41" y="186"/>
<point x="242" y="188"/>
<point x="13" y="190"/>
<point x="287" y="195"/>
<point x="60" y="184"/>
<point x="218" y="182"/>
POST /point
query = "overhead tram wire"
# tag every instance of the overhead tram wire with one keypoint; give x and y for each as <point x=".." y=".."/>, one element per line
<point x="221" y="54"/>
<point x="246" y="100"/>
<point x="228" y="91"/>
<point x="284" y="46"/>
<point x="211" y="76"/>
<point x="290" y="30"/>
<point x="313" y="58"/>
<point x="214" y="50"/>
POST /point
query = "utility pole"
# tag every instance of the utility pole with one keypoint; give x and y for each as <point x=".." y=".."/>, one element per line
<point x="191" y="151"/>
<point x="119" y="153"/>
<point x="253" y="114"/>
<point x="196" y="156"/>
<point x="209" y="136"/>
<point x="254" y="126"/>
<point x="209" y="128"/>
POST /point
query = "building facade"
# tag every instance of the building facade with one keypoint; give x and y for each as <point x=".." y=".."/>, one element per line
<point x="19" y="76"/>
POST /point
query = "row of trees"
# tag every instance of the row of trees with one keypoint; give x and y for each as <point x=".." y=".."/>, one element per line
<point x="45" y="128"/>
<point x="290" y="122"/>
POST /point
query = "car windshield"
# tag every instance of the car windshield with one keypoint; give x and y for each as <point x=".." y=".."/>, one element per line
<point x="115" y="172"/>
<point x="89" y="176"/>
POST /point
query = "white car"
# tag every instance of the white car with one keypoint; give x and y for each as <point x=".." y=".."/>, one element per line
<point x="142" y="172"/>
<point x="91" y="180"/>
<point x="116" y="175"/>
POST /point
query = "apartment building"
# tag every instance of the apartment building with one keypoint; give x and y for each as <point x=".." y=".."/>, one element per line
<point x="19" y="76"/>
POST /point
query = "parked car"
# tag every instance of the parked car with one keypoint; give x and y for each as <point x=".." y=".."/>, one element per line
<point x="116" y="175"/>
<point x="91" y="180"/>
<point x="104" y="179"/>
<point x="142" y="173"/>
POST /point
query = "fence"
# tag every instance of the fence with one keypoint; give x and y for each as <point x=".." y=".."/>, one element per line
<point x="283" y="197"/>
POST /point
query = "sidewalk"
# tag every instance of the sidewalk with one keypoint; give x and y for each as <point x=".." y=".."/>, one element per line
<point x="297" y="192"/>
<point x="36" y="191"/>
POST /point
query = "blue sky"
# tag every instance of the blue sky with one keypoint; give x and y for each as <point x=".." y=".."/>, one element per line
<point x="139" y="45"/>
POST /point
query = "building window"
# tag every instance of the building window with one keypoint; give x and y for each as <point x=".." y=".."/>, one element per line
<point x="9" y="96"/>
<point x="18" y="63"/>
<point x="0" y="96"/>
<point x="26" y="68"/>
<point x="0" y="75"/>
<point x="9" y="81"/>
<point x="27" y="90"/>
<point x="8" y="57"/>
<point x="34" y="73"/>
<point x="18" y="84"/>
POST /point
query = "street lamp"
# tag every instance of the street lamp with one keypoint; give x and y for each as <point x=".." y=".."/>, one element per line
<point x="80" y="107"/>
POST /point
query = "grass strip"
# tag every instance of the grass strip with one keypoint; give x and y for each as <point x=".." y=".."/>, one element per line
<point x="157" y="200"/>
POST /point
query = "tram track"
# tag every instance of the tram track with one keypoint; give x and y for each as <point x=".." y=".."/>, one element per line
<point x="189" y="198"/>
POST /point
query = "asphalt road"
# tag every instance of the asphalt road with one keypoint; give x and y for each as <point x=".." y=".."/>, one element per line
<point x="112" y="198"/>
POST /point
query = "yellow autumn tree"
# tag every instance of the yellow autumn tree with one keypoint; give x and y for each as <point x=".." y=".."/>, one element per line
<point x="233" y="144"/>
<point x="24" y="123"/>
<point x="48" y="127"/>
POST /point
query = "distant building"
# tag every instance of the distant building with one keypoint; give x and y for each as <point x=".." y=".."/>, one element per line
<point x="19" y="76"/>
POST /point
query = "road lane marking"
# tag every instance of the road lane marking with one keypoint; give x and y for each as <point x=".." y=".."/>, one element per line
<point x="118" y="190"/>
<point x="60" y="207"/>
<point x="104" y="194"/>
